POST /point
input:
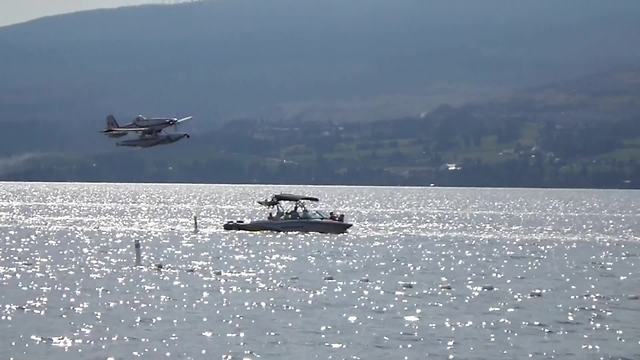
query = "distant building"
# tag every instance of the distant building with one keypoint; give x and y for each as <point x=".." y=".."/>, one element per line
<point x="451" y="167"/>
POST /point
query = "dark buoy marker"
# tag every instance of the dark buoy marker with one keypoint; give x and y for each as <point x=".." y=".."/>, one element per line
<point x="138" y="253"/>
<point x="195" y="224"/>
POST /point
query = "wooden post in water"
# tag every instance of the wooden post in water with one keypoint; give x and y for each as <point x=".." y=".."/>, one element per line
<point x="138" y="253"/>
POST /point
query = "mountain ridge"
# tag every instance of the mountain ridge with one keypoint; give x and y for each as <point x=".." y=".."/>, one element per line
<point x="360" y="65"/>
<point x="226" y="59"/>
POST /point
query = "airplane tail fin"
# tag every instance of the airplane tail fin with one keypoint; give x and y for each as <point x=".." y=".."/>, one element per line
<point x="111" y="122"/>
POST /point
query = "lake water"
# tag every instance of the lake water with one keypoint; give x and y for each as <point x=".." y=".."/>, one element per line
<point x="423" y="273"/>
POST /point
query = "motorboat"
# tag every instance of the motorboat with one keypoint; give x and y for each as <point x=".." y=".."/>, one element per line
<point x="292" y="214"/>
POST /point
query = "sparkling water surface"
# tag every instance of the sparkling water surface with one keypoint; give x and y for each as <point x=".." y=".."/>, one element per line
<point x="423" y="273"/>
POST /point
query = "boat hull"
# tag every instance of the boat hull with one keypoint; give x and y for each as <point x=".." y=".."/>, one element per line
<point x="319" y="226"/>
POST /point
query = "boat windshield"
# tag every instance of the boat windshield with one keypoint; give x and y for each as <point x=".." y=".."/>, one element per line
<point x="319" y="215"/>
<point x="310" y="215"/>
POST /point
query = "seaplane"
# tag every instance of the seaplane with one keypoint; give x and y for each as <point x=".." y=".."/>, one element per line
<point x="149" y="130"/>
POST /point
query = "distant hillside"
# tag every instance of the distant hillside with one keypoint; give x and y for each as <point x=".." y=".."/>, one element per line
<point x="582" y="133"/>
<point x="339" y="60"/>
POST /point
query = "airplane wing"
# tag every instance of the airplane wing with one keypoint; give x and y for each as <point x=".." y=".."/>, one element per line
<point x="124" y="130"/>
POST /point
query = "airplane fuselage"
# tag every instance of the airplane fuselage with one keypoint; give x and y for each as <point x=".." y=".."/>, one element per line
<point x="144" y="122"/>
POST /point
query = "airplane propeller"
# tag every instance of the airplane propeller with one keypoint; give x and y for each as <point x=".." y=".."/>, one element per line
<point x="178" y="121"/>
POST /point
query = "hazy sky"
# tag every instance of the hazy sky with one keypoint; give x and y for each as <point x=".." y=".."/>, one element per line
<point x="15" y="11"/>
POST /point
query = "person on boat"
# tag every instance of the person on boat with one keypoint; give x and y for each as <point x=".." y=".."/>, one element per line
<point x="305" y="214"/>
<point x="270" y="216"/>
<point x="341" y="218"/>
<point x="332" y="216"/>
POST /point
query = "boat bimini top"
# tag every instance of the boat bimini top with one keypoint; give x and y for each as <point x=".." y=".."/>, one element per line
<point x="276" y="199"/>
